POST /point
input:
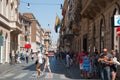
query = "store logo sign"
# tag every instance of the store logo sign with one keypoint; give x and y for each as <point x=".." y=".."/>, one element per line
<point x="116" y="20"/>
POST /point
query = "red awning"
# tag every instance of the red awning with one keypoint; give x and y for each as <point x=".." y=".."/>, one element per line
<point x="27" y="46"/>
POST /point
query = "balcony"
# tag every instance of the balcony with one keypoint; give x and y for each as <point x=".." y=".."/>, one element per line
<point x="76" y="31"/>
<point x="90" y="8"/>
<point x="15" y="27"/>
<point x="4" y="20"/>
<point x="26" y="33"/>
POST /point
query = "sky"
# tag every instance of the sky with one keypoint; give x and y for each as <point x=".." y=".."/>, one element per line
<point x="45" y="12"/>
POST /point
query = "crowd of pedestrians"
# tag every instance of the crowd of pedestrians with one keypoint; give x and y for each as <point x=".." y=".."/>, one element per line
<point x="103" y="65"/>
<point x="92" y="65"/>
<point x="17" y="57"/>
<point x="97" y="64"/>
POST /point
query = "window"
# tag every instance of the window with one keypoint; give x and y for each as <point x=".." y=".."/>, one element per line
<point x="25" y="28"/>
<point x="25" y="38"/>
<point x="6" y="2"/>
<point x="11" y="6"/>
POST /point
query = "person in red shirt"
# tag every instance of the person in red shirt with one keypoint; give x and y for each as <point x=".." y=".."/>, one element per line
<point x="80" y="60"/>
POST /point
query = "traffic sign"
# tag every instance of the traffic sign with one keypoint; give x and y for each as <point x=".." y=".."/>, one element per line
<point x="118" y="31"/>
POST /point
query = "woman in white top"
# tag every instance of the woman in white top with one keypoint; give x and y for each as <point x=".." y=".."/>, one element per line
<point x="47" y="64"/>
<point x="39" y="58"/>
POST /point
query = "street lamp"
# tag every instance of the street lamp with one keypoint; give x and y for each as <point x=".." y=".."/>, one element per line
<point x="28" y="5"/>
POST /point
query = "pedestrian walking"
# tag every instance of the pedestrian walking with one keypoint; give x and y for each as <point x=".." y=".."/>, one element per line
<point x="10" y="56"/>
<point x="57" y="55"/>
<point x="32" y="55"/>
<point x="113" y="67"/>
<point x="27" y="57"/>
<point x="96" y="63"/>
<point x="39" y="63"/>
<point x="47" y="63"/>
<point x="18" y="58"/>
<point x="67" y="60"/>
<point x="105" y="60"/>
<point x="80" y="60"/>
<point x="93" y="65"/>
<point x="86" y="66"/>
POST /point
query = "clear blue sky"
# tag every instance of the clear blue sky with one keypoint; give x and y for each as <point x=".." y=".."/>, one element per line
<point x="45" y="12"/>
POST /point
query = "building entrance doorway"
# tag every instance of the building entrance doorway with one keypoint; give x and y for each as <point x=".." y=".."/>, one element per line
<point x="85" y="42"/>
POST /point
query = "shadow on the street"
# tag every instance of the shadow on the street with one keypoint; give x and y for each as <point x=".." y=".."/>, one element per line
<point x="30" y="67"/>
<point x="57" y="67"/>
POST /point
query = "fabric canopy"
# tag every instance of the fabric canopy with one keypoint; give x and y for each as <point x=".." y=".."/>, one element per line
<point x="27" y="46"/>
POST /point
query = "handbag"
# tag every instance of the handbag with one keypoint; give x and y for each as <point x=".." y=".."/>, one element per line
<point x="36" y="62"/>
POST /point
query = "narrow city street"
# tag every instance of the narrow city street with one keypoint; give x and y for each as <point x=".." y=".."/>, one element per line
<point x="25" y="71"/>
<point x="84" y="34"/>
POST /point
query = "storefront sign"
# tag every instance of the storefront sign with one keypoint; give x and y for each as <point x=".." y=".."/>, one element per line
<point x="1" y="40"/>
<point x="116" y="20"/>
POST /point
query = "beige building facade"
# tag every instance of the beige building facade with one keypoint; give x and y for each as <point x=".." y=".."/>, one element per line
<point x="9" y="28"/>
<point x="36" y="34"/>
<point x="47" y="40"/>
<point x="25" y="36"/>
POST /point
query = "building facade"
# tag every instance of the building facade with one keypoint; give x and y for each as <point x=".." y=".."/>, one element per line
<point x="35" y="32"/>
<point x="91" y="25"/>
<point x="47" y="40"/>
<point x="25" y="37"/>
<point x="9" y="28"/>
<point x="42" y="39"/>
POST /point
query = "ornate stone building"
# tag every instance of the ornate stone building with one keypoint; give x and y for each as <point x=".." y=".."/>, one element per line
<point x="89" y="24"/>
<point x="9" y="28"/>
<point x="47" y="39"/>
<point x="70" y="30"/>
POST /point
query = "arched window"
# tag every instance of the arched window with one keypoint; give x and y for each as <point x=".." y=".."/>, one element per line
<point x="102" y="32"/>
<point x="6" y="2"/>
<point x="94" y="32"/>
